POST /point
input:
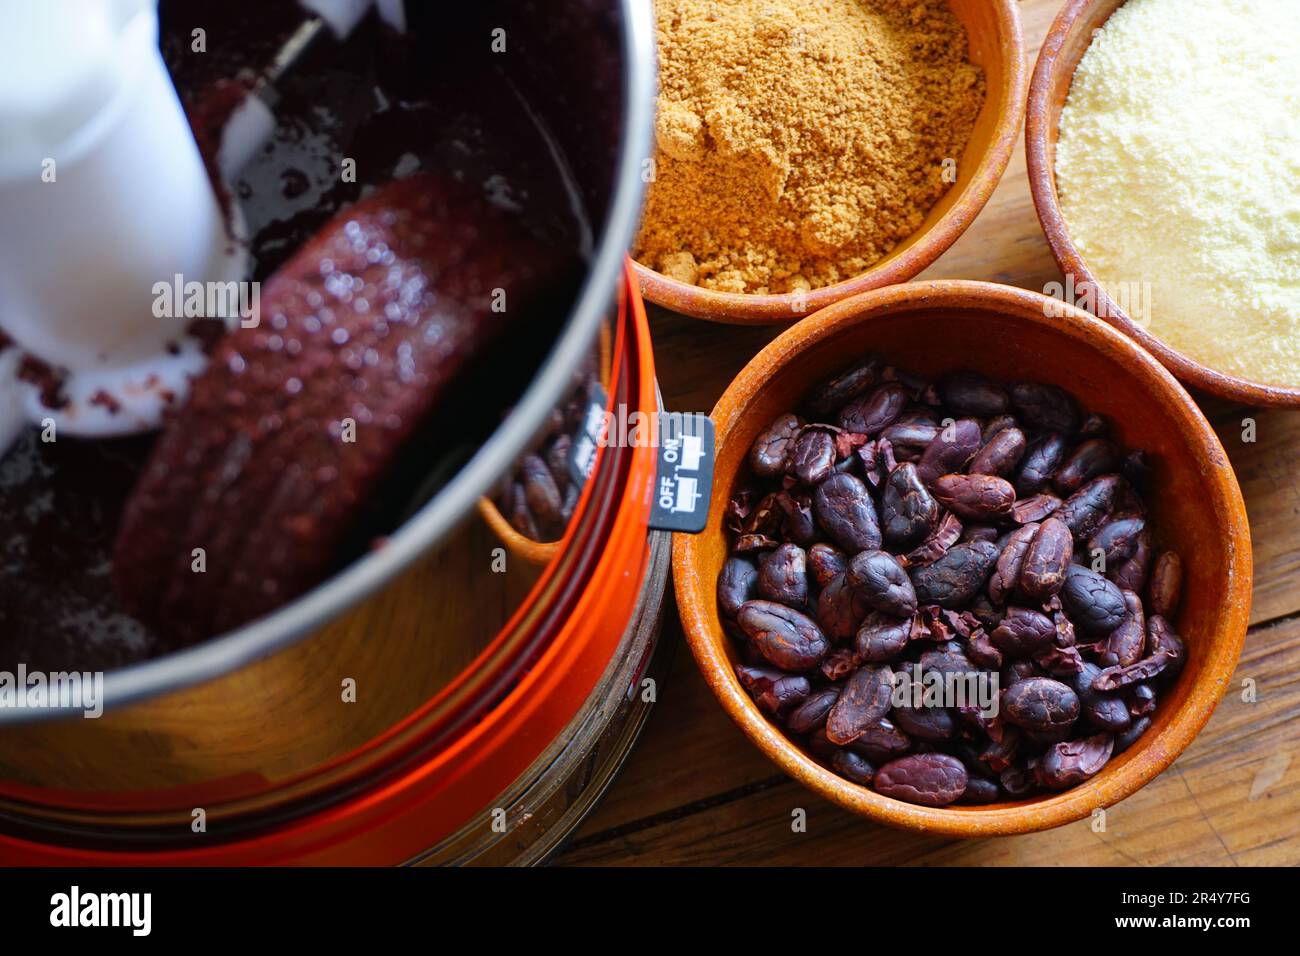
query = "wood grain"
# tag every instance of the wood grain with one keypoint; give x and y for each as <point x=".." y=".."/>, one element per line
<point x="1233" y="798"/>
<point x="696" y="792"/>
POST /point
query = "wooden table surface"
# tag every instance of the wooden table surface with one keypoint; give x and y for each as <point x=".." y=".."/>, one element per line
<point x="695" y="791"/>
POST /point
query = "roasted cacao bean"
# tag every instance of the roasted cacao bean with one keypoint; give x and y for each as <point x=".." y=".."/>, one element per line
<point x="1071" y="762"/>
<point x="1040" y="704"/>
<point x="768" y="454"/>
<point x="797" y="524"/>
<point x="783" y="576"/>
<point x="736" y="584"/>
<point x="969" y="393"/>
<point x="1046" y="407"/>
<point x="863" y="701"/>
<point x="883" y="582"/>
<point x="1091" y="458"/>
<point x="840" y="609"/>
<point x="1047" y="560"/>
<point x="951" y="451"/>
<point x="932" y="724"/>
<point x="908" y="511"/>
<point x="947" y="658"/>
<point x="811" y="714"/>
<point x="843" y="507"/>
<point x="839" y="664"/>
<point x="1166" y="585"/>
<point x="1141" y="699"/>
<point x="983" y="652"/>
<point x="1115" y="678"/>
<point x="1086" y="509"/>
<point x="545" y="501"/>
<point x="826" y="563"/>
<point x="1017" y="780"/>
<point x="829" y="396"/>
<point x="1041" y="460"/>
<point x="932" y="780"/>
<point x="882" y="742"/>
<point x="1000" y="454"/>
<point x="1007" y="570"/>
<point x="1023" y="632"/>
<point x="775" y="692"/>
<point x="980" y="532"/>
<point x="1034" y="508"/>
<point x="1061" y="662"/>
<point x="875" y="411"/>
<point x="953" y="580"/>
<point x="785" y="637"/>
<point x="1132" y="574"/>
<point x="1127" y="738"/>
<point x="910" y="439"/>
<point x="853" y="766"/>
<point x="764" y="518"/>
<point x="981" y="790"/>
<point x="1126" y="644"/>
<point x="881" y="638"/>
<point x="1095" y="605"/>
<point x="812" y="455"/>
<point x="1161" y="638"/>
<point x="1104" y="711"/>
<point x="996" y="424"/>
<point x="1117" y="539"/>
<point x="975" y="497"/>
<point x="937" y="545"/>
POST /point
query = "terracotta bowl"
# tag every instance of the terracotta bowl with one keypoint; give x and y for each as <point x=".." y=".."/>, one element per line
<point x="997" y="47"/>
<point x="541" y="553"/>
<point x="933" y="327"/>
<point x="1066" y="42"/>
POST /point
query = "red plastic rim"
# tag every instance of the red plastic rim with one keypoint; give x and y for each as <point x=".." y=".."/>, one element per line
<point x="402" y="816"/>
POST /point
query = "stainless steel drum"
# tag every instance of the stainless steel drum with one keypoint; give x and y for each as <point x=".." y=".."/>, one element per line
<point x="434" y="699"/>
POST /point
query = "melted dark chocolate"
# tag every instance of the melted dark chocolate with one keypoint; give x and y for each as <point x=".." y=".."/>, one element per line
<point x="59" y="507"/>
<point x="380" y="99"/>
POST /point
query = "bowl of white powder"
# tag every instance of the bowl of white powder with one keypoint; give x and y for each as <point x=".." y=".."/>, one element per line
<point x="1164" y="158"/>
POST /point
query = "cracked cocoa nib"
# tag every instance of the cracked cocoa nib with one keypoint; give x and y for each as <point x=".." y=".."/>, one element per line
<point x="371" y="321"/>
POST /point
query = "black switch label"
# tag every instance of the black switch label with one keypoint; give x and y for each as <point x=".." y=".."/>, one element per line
<point x="684" y="475"/>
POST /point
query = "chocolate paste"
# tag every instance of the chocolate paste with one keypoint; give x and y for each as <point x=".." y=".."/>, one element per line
<point x="396" y="106"/>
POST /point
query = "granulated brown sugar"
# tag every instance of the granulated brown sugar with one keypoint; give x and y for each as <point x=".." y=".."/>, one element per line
<point x="799" y="141"/>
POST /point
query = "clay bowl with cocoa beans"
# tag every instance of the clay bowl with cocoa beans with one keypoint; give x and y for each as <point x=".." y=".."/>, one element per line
<point x="1073" y="756"/>
<point x="996" y="46"/>
<point x="1066" y="42"/>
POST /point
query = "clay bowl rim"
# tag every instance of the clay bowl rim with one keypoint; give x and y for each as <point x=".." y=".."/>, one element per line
<point x="1152" y="755"/>
<point x="1039" y="130"/>
<point x="739" y="308"/>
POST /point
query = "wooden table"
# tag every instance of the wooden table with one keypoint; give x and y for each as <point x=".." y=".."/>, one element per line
<point x="695" y="791"/>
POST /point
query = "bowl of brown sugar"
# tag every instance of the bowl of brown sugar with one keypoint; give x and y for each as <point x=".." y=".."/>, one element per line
<point x="808" y="150"/>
